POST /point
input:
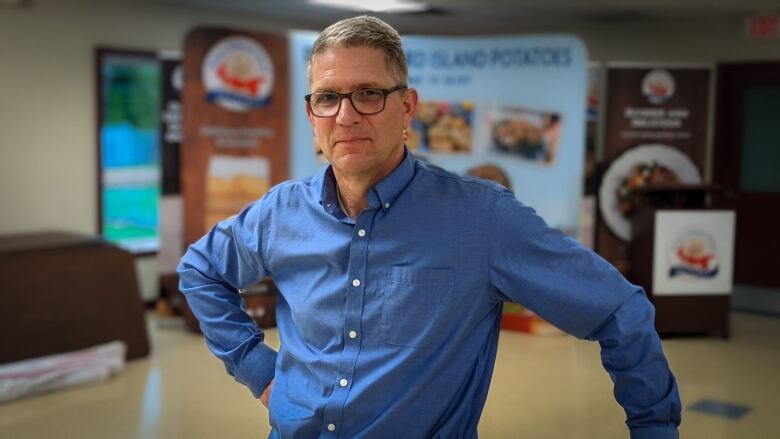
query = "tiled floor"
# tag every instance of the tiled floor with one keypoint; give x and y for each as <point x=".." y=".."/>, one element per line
<point x="543" y="387"/>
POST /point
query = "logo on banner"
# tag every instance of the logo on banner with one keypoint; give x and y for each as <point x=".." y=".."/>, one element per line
<point x="694" y="256"/>
<point x="658" y="86"/>
<point x="238" y="74"/>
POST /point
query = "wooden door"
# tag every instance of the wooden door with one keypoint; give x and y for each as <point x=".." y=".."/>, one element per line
<point x="746" y="163"/>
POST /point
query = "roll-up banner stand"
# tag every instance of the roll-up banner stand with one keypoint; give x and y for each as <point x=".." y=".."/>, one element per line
<point x="236" y="130"/>
<point x="171" y="224"/>
<point x="655" y="133"/>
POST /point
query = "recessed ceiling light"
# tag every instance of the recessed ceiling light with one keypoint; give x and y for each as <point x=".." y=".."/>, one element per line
<point x="388" y="6"/>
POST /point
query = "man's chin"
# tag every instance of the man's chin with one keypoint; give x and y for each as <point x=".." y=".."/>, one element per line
<point x="351" y="167"/>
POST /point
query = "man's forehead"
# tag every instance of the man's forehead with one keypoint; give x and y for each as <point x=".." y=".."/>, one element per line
<point x="354" y="56"/>
<point x="345" y="69"/>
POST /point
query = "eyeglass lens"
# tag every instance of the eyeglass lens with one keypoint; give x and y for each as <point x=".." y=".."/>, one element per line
<point x="367" y="101"/>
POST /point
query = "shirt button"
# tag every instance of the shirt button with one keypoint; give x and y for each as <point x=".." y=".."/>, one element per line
<point x="331" y="427"/>
<point x="356" y="283"/>
<point x="387" y="205"/>
<point x="352" y="334"/>
<point x="343" y="382"/>
<point x="361" y="233"/>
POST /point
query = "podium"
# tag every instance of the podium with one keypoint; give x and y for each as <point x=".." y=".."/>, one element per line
<point x="681" y="253"/>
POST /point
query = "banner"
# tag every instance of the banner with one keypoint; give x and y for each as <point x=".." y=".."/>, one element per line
<point x="655" y="134"/>
<point x="171" y="234"/>
<point x="236" y="130"/>
<point x="503" y="106"/>
<point x="171" y="119"/>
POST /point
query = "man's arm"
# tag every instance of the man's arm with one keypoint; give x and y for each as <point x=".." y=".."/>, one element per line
<point x="632" y="355"/>
<point x="212" y="270"/>
<point x="579" y="292"/>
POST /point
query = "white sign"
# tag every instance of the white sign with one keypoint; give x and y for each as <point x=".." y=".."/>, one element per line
<point x="693" y="252"/>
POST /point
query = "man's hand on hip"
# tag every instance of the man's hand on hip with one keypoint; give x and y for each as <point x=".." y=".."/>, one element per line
<point x="266" y="394"/>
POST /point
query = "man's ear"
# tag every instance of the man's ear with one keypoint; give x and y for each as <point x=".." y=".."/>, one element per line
<point x="310" y="116"/>
<point x="410" y="105"/>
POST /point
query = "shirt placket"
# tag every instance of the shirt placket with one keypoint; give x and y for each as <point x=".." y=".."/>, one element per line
<point x="352" y="331"/>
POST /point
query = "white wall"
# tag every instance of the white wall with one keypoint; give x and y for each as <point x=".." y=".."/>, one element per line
<point x="47" y="90"/>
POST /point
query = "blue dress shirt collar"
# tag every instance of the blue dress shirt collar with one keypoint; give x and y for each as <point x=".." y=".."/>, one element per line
<point x="383" y="194"/>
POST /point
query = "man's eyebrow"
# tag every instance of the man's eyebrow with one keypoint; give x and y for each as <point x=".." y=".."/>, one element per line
<point x="368" y="85"/>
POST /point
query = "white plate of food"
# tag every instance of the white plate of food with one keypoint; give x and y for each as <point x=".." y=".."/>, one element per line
<point x="641" y="166"/>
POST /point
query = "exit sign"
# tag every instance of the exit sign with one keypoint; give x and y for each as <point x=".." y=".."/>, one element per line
<point x="763" y="27"/>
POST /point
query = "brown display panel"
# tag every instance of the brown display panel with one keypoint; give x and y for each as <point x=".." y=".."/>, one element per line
<point x="198" y="148"/>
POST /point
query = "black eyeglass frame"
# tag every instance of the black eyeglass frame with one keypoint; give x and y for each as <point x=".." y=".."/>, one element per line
<point x="385" y="92"/>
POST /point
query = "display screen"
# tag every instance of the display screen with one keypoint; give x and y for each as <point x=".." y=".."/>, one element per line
<point x="130" y="164"/>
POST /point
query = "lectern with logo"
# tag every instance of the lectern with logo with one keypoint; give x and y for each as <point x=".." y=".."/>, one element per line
<point x="682" y="253"/>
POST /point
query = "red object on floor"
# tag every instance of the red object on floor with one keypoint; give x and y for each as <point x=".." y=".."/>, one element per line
<point x="517" y="322"/>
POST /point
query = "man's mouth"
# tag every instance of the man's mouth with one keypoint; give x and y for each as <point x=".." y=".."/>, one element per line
<point x="351" y="139"/>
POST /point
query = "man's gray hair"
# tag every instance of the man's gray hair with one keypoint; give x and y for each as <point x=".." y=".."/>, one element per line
<point x="365" y="31"/>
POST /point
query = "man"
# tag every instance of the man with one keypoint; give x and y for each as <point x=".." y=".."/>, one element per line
<point x="392" y="274"/>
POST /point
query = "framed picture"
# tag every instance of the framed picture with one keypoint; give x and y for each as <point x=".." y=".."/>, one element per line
<point x="129" y="163"/>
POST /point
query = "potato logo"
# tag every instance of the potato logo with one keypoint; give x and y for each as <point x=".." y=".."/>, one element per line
<point x="238" y="74"/>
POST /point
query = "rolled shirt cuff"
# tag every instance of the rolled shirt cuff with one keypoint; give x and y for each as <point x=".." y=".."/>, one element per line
<point x="660" y="432"/>
<point x="257" y="369"/>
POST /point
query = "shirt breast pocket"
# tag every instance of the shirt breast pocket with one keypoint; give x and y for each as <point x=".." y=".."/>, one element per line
<point x="414" y="305"/>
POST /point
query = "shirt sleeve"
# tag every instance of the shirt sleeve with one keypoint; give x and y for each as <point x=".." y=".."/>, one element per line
<point x="579" y="292"/>
<point x="551" y="274"/>
<point x="632" y="355"/>
<point x="211" y="272"/>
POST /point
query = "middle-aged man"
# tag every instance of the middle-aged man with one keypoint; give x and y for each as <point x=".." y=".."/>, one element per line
<point x="392" y="274"/>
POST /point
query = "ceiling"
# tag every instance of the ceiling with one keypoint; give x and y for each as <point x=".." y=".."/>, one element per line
<point x="463" y="17"/>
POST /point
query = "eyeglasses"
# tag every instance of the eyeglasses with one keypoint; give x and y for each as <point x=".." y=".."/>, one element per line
<point x="365" y="101"/>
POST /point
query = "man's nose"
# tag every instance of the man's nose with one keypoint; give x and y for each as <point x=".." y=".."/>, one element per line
<point x="347" y="114"/>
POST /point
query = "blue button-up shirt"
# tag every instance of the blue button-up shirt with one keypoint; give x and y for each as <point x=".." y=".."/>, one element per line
<point x="389" y="322"/>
